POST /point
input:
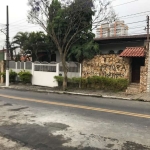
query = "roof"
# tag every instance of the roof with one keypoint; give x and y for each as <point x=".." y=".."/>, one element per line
<point x="141" y="36"/>
<point x="133" y="52"/>
<point x="3" y="50"/>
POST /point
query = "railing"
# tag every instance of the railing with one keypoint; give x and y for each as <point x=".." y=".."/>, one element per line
<point x="73" y="67"/>
<point x="20" y="65"/>
<point x="45" y="67"/>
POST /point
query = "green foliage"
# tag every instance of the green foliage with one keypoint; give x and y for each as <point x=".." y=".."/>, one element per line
<point x="71" y="24"/>
<point x="12" y="75"/>
<point x="59" y="78"/>
<point x="106" y="83"/>
<point x="96" y="82"/>
<point x="83" y="49"/>
<point x="25" y="76"/>
<point x="32" y="43"/>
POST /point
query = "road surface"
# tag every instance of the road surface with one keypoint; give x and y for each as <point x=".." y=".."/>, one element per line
<point x="43" y="121"/>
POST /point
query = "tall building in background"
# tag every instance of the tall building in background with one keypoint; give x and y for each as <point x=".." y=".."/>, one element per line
<point x="103" y="30"/>
<point x="118" y="28"/>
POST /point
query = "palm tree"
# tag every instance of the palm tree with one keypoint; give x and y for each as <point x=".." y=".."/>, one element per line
<point x="38" y="43"/>
<point x="19" y="42"/>
<point x="32" y="43"/>
<point x="21" y="39"/>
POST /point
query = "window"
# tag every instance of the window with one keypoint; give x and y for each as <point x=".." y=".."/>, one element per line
<point x="111" y="52"/>
<point x="120" y="51"/>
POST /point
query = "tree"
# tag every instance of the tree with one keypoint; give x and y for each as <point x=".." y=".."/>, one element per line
<point x="32" y="43"/>
<point x="67" y="22"/>
<point x="20" y="39"/>
<point x="35" y="44"/>
<point x="83" y="49"/>
<point x="12" y="49"/>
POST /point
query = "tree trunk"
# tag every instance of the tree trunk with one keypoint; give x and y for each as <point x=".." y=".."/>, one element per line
<point x="64" y="65"/>
<point x="65" y="81"/>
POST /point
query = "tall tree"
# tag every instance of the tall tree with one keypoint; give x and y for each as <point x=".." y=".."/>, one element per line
<point x="32" y="43"/>
<point x="20" y="39"/>
<point x="66" y="22"/>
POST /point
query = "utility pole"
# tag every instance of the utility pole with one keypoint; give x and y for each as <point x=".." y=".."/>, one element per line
<point x="148" y="57"/>
<point x="148" y="31"/>
<point x="7" y="47"/>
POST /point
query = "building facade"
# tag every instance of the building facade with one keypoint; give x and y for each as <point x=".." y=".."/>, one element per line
<point x="118" y="28"/>
<point x="121" y="57"/>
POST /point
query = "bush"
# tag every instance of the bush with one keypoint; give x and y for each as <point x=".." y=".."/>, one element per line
<point x="74" y="82"/>
<point x="105" y="83"/>
<point x="25" y="76"/>
<point x="96" y="82"/>
<point x="12" y="75"/>
<point x="59" y="79"/>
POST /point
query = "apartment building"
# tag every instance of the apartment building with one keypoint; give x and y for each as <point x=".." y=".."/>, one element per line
<point x="117" y="28"/>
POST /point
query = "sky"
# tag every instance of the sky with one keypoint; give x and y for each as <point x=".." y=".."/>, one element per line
<point x="132" y="9"/>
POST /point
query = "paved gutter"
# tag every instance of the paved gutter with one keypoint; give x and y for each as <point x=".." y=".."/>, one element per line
<point x="75" y="93"/>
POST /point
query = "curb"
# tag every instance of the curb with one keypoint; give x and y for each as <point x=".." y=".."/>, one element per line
<point x="74" y="93"/>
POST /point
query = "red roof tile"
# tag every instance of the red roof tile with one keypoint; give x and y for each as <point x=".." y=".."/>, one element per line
<point x="133" y="52"/>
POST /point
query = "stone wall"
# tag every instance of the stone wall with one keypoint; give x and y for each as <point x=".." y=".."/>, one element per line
<point x="108" y="66"/>
<point x="143" y="79"/>
<point x="144" y="72"/>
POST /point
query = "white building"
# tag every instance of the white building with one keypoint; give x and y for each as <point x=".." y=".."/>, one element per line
<point x="118" y="28"/>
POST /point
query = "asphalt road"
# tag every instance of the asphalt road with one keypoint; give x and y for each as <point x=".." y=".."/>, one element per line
<point x="101" y="123"/>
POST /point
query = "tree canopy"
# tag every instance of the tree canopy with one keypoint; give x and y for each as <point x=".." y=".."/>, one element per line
<point x="69" y="24"/>
<point x="33" y="43"/>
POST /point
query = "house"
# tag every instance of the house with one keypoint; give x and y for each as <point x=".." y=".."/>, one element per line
<point x="122" y="57"/>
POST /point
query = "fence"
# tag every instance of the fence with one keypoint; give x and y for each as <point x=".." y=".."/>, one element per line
<point x="18" y="66"/>
<point x="43" y="73"/>
<point x="74" y="69"/>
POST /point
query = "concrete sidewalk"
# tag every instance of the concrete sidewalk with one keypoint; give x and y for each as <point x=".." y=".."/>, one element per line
<point x="84" y="92"/>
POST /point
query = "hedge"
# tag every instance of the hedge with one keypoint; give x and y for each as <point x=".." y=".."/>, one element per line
<point x="12" y="75"/>
<point x="96" y="82"/>
<point x="25" y="76"/>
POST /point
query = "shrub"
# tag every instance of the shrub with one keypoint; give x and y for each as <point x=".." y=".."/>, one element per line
<point x="96" y="82"/>
<point x="59" y="79"/>
<point x="25" y="76"/>
<point x="12" y="75"/>
<point x="74" y="82"/>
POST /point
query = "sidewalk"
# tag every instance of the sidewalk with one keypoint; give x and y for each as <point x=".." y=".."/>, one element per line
<point x="84" y="92"/>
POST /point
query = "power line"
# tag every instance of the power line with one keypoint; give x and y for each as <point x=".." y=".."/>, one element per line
<point x="136" y="22"/>
<point x="135" y="14"/>
<point x="125" y="3"/>
<point x="18" y="21"/>
<point x="26" y="28"/>
<point x="137" y="27"/>
<point x="23" y="25"/>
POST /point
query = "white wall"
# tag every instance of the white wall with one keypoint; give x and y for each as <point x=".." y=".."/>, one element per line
<point x="71" y="74"/>
<point x="44" y="78"/>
